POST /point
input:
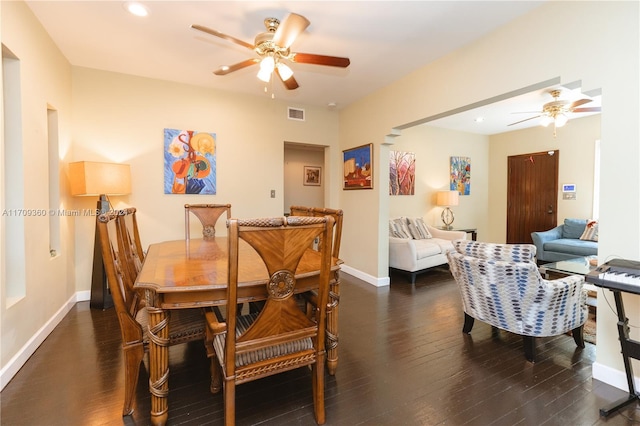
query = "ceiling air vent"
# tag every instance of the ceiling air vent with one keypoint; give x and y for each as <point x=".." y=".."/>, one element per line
<point x="295" y="114"/>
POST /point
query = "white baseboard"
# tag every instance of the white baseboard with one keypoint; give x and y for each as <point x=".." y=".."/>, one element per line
<point x="18" y="360"/>
<point x="610" y="376"/>
<point x="378" y="282"/>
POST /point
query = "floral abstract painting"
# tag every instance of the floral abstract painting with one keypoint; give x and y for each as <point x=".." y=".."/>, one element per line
<point x="189" y="162"/>
<point x="402" y="173"/>
<point x="460" y="175"/>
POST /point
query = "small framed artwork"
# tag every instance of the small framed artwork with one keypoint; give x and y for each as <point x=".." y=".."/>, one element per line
<point x="312" y="175"/>
<point x="358" y="167"/>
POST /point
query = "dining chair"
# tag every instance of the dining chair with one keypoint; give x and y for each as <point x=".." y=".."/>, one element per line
<point x="337" y="215"/>
<point x="310" y="298"/>
<point x="208" y="215"/>
<point x="133" y="251"/>
<point x="280" y="337"/>
<point x="184" y="325"/>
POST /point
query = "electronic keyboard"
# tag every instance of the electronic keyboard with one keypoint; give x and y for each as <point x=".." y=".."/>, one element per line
<point x="617" y="274"/>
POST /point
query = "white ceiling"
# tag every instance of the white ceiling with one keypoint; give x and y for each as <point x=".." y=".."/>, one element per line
<point x="385" y="41"/>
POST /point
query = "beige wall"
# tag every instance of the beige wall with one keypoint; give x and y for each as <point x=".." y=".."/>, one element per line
<point x="49" y="281"/>
<point x="121" y="118"/>
<point x="295" y="191"/>
<point x="576" y="144"/>
<point x="513" y="57"/>
<point x="485" y="208"/>
<point x="433" y="148"/>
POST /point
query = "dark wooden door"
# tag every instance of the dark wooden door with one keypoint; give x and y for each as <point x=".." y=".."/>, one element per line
<point x="532" y="194"/>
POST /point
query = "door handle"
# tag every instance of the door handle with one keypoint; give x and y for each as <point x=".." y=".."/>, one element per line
<point x="550" y="209"/>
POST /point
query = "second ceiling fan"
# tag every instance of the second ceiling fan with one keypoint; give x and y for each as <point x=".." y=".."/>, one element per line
<point x="274" y="49"/>
<point x="557" y="111"/>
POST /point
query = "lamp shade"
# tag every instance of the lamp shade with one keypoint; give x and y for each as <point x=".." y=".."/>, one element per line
<point x="447" y="198"/>
<point x="95" y="178"/>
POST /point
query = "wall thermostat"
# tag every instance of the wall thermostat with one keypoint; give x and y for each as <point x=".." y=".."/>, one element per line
<point x="569" y="187"/>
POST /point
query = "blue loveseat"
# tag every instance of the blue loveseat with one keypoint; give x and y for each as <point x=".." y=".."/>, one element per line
<point x="564" y="241"/>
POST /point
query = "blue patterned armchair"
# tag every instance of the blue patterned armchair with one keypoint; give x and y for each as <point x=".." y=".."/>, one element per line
<point x="500" y="285"/>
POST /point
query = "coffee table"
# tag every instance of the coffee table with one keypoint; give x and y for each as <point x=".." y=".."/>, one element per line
<point x="578" y="266"/>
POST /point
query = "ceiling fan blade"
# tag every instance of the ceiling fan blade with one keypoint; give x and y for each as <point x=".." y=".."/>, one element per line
<point x="221" y="35"/>
<point x="310" y="58"/>
<point x="579" y="102"/>
<point x="289" y="29"/>
<point x="290" y="83"/>
<point x="224" y="70"/>
<point x="591" y="109"/>
<point x="522" y="121"/>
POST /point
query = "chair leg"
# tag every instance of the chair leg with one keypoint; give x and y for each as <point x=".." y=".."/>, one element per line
<point x="529" y="344"/>
<point x="229" y="402"/>
<point x="468" y="323"/>
<point x="216" y="376"/>
<point x="317" y="371"/>
<point x="132" y="359"/>
<point x="578" y="336"/>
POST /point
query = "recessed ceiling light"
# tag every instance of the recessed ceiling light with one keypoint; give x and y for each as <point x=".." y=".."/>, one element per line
<point x="479" y="119"/>
<point x="137" y="9"/>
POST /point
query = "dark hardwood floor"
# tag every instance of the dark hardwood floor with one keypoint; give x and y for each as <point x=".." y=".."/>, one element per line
<point x="403" y="360"/>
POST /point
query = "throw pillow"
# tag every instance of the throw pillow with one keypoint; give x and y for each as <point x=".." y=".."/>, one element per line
<point x="573" y="228"/>
<point x="590" y="231"/>
<point x="398" y="228"/>
<point x="418" y="228"/>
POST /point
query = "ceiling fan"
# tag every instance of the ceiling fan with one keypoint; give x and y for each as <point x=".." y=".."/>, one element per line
<point x="273" y="48"/>
<point x="557" y="111"/>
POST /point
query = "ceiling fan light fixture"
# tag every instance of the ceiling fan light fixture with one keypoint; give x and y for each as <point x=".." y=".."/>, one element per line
<point x="267" y="64"/>
<point x="545" y="120"/>
<point x="264" y="74"/>
<point x="284" y="71"/>
<point x="137" y="9"/>
<point x="561" y="120"/>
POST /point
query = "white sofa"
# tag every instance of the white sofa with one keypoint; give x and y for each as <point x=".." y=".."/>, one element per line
<point x="414" y="246"/>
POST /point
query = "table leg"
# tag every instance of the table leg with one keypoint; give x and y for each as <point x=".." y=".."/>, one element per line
<point x="158" y="364"/>
<point x="332" y="325"/>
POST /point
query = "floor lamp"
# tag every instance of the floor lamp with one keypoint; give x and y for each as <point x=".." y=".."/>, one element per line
<point x="447" y="199"/>
<point x="90" y="178"/>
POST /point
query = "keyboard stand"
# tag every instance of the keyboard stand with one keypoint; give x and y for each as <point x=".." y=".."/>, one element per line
<point x="630" y="349"/>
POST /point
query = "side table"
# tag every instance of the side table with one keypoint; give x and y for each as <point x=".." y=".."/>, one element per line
<point x="472" y="231"/>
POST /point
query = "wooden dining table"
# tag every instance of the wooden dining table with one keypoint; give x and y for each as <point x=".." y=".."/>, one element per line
<point x="182" y="275"/>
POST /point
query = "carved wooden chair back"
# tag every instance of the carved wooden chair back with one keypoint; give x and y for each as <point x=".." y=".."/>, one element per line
<point x="124" y="300"/>
<point x="208" y="215"/>
<point x="118" y="274"/>
<point x="319" y="212"/>
<point x="280" y="337"/>
<point x="134" y="253"/>
<point x="186" y="324"/>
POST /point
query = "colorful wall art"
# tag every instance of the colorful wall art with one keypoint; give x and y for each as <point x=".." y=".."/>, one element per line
<point x="402" y="173"/>
<point x="460" y="175"/>
<point x="189" y="162"/>
<point x="358" y="167"/>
